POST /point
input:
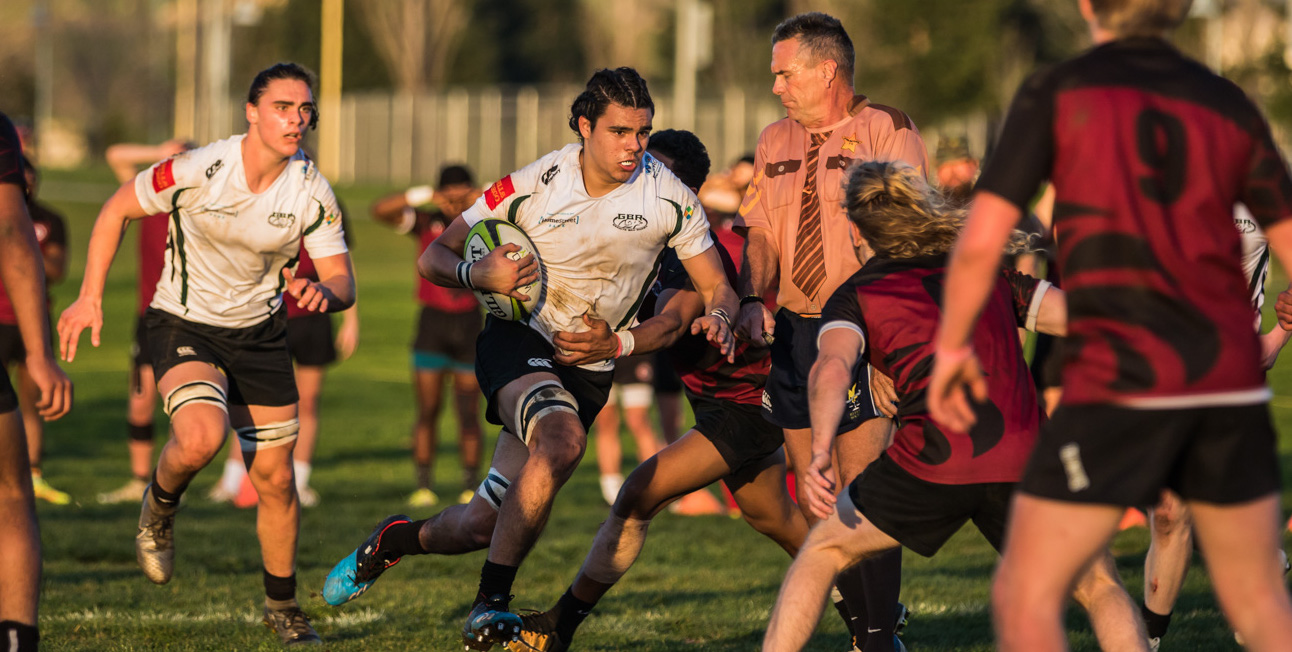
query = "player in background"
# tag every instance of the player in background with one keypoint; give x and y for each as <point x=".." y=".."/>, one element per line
<point x="22" y="274"/>
<point x="241" y="209"/>
<point x="797" y="232"/>
<point x="631" y="390"/>
<point x="51" y="236"/>
<point x="600" y="213"/>
<point x="141" y="405"/>
<point x="447" y="325"/>
<point x="933" y="478"/>
<point x="730" y="440"/>
<point x="1148" y="152"/>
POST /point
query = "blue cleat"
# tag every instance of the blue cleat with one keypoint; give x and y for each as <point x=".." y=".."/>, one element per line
<point x="354" y="574"/>
<point x="490" y="624"/>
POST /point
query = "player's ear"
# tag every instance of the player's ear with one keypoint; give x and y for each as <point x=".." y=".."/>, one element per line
<point x="585" y="127"/>
<point x="829" y="70"/>
<point x="253" y="114"/>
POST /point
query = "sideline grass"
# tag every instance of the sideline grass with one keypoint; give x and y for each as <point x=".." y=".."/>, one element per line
<point x="701" y="584"/>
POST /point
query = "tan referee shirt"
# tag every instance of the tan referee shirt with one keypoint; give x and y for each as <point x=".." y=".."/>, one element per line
<point x="873" y="132"/>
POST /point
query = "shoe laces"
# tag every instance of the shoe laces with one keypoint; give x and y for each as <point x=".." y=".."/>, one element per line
<point x="162" y="525"/>
<point x="294" y="620"/>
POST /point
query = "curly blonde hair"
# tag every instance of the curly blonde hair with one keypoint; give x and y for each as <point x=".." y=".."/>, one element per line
<point x="901" y="216"/>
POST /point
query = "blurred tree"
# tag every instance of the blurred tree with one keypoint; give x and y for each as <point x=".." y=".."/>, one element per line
<point x="416" y="38"/>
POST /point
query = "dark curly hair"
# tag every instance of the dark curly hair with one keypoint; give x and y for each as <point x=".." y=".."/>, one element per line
<point x="622" y="86"/>
<point x="283" y="71"/>
<point x="690" y="158"/>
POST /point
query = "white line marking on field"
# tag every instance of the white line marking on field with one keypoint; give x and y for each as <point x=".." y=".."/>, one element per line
<point x="343" y="619"/>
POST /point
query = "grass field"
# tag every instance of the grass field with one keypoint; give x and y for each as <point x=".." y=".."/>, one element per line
<point x="702" y="583"/>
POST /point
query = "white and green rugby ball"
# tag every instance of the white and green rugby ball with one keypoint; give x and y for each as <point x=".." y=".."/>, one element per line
<point x="483" y="238"/>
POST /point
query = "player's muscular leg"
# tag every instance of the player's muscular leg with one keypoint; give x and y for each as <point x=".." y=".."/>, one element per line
<point x="309" y="385"/>
<point x="1169" y="551"/>
<point x="140" y="408"/>
<point x="1113" y="614"/>
<point x="428" y="387"/>
<point x="199" y="426"/>
<point x="760" y="492"/>
<point x="1048" y="545"/>
<point x="270" y="471"/>
<point x="466" y="528"/>
<point x="556" y="444"/>
<point x="466" y="396"/>
<point x="1240" y="543"/>
<point x="19" y="536"/>
<point x="857" y="448"/>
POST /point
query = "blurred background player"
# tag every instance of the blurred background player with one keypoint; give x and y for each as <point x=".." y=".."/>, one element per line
<point x="21" y="272"/>
<point x="632" y="391"/>
<point x="799" y="239"/>
<point x="51" y="236"/>
<point x="125" y="159"/>
<point x="447" y="325"/>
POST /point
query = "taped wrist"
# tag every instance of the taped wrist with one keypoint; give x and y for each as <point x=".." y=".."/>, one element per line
<point x="464" y="275"/>
<point x="626" y="344"/>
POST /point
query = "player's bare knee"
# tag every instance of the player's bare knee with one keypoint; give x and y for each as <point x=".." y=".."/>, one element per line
<point x="277" y="483"/>
<point x="560" y="451"/>
<point x="1174" y="520"/>
<point x="479" y="526"/>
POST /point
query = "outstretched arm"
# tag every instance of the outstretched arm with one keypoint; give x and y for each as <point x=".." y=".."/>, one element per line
<point x="720" y="302"/>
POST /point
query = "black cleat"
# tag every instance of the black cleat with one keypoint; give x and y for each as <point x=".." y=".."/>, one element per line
<point x="538" y="634"/>
<point x="291" y="625"/>
<point x="490" y="623"/>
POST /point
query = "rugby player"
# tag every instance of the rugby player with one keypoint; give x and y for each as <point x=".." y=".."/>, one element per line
<point x="1162" y="386"/>
<point x="797" y="232"/>
<point x="632" y="390"/>
<point x="447" y="326"/>
<point x="23" y="277"/>
<point x="933" y="478"/>
<point x="240" y="210"/>
<point x="600" y="213"/>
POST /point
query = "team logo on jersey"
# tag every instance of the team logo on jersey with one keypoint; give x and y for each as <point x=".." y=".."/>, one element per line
<point x="551" y="172"/>
<point x="1245" y="225"/>
<point x="332" y="218"/>
<point x="500" y="190"/>
<point x="628" y="222"/>
<point x="215" y="167"/>
<point x="281" y="220"/>
<point x="850" y="143"/>
<point x="688" y="212"/>
<point x="163" y="175"/>
<point x="540" y="362"/>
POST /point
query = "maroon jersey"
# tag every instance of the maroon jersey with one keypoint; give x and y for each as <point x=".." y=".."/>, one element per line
<point x="428" y="227"/>
<point x="1148" y="152"/>
<point x="51" y="230"/>
<point x="304" y="269"/>
<point x="895" y="306"/>
<point x="153" y="234"/>
<point x="705" y="372"/>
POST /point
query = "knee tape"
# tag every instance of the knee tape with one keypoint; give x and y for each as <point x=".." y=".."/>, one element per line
<point x="544" y="398"/>
<point x="197" y="391"/>
<point x="494" y="488"/>
<point x="268" y="435"/>
<point x="618" y="543"/>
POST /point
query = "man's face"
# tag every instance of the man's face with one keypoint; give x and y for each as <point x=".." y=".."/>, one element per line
<point x="613" y="148"/>
<point x="281" y="115"/>
<point x="457" y="197"/>
<point x="799" y="83"/>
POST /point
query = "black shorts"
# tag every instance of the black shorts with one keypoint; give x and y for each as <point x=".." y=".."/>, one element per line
<point x="139" y="353"/>
<point x="923" y="515"/>
<point x="785" y="399"/>
<point x="739" y="431"/>
<point x="309" y="340"/>
<point x="634" y="369"/>
<point x="1106" y="454"/>
<point x="446" y="339"/>
<point x="507" y="350"/>
<point x="254" y="359"/>
<point x="1047" y="361"/>
<point x="666" y="380"/>
<point x="12" y="350"/>
<point x="8" y="398"/>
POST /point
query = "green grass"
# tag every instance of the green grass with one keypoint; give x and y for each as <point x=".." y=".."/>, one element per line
<point x="701" y="584"/>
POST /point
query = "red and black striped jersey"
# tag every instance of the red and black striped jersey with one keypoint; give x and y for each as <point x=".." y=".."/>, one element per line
<point x="895" y="305"/>
<point x="1148" y="152"/>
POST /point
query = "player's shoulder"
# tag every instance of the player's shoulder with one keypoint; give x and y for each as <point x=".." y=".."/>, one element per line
<point x="548" y="169"/>
<point x="883" y="117"/>
<point x="777" y="130"/>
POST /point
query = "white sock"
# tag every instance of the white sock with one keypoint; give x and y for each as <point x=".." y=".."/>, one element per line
<point x="231" y="481"/>
<point x="302" y="473"/>
<point x="610" y="484"/>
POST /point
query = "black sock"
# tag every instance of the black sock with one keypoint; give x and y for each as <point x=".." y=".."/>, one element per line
<point x="882" y="581"/>
<point x="571" y="612"/>
<point x="140" y="432"/>
<point x="851" y="588"/>
<point x="423" y="476"/>
<point x="1156" y="623"/>
<point x="496" y="579"/>
<point x="26" y="636"/>
<point x="280" y="588"/>
<point x="402" y="539"/>
<point x="842" y="608"/>
<point x="166" y="497"/>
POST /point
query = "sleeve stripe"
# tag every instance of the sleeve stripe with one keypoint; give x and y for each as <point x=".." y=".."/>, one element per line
<point x="1034" y="308"/>
<point x="832" y="325"/>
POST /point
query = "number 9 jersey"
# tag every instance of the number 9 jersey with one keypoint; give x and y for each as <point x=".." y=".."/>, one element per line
<point x="1157" y="301"/>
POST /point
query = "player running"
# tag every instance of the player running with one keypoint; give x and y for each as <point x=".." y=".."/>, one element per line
<point x="933" y="478"/>
<point x="1162" y="383"/>
<point x="240" y="210"/>
<point x="600" y="213"/>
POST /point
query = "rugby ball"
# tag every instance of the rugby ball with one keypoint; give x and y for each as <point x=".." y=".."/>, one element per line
<point x="483" y="238"/>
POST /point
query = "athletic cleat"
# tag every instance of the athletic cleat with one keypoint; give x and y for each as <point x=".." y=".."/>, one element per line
<point x="423" y="498"/>
<point x="1154" y="643"/>
<point x="292" y="626"/>
<point x="538" y="634"/>
<point x="489" y="624"/>
<point x="354" y="574"/>
<point x="155" y="541"/>
<point x="130" y="492"/>
<point x="903" y="615"/>
<point x="43" y="491"/>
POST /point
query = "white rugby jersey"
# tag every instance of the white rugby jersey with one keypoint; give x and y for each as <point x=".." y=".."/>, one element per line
<point x="227" y="246"/>
<point x="598" y="255"/>
<point x="1256" y="257"/>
